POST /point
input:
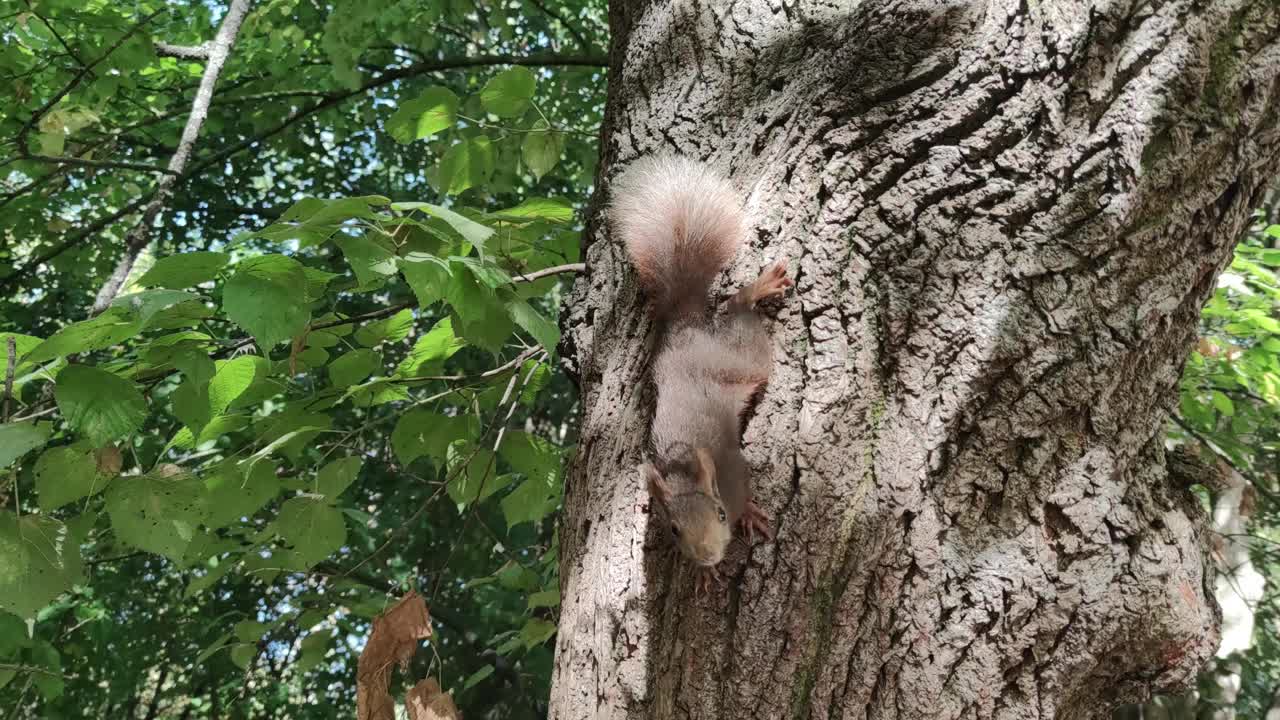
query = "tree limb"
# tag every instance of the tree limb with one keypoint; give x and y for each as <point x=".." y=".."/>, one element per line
<point x="140" y="236"/>
<point x="184" y="52"/>
<point x="80" y="162"/>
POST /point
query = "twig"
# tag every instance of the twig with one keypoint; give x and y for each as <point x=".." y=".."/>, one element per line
<point x="140" y="236"/>
<point x="184" y="52"/>
<point x="10" y="364"/>
<point x="114" y="165"/>
<point x="511" y="365"/>
<point x="577" y="36"/>
<point x="539" y="274"/>
<point x="1257" y="484"/>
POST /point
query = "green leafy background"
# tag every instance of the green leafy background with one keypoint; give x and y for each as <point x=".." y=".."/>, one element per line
<point x="326" y="382"/>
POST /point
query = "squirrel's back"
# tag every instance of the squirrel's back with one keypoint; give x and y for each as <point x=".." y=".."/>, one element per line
<point x="681" y="223"/>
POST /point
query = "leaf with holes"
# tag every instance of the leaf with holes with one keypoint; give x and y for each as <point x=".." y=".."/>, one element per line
<point x="312" y="528"/>
<point x="99" y="405"/>
<point x="156" y="514"/>
<point x="66" y="474"/>
<point x="39" y="560"/>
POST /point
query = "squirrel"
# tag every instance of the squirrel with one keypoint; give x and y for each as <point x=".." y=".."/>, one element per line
<point x="682" y="224"/>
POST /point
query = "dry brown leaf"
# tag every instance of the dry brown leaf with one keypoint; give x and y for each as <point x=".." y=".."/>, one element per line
<point x="426" y="701"/>
<point x="392" y="641"/>
<point x="109" y="460"/>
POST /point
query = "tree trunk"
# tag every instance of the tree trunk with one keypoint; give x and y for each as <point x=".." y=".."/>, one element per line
<point x="1003" y="218"/>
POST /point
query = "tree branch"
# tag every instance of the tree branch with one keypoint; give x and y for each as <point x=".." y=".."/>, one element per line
<point x="184" y="52"/>
<point x="80" y="162"/>
<point x="140" y="236"/>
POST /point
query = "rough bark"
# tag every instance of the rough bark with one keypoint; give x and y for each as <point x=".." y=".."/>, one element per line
<point x="1003" y="219"/>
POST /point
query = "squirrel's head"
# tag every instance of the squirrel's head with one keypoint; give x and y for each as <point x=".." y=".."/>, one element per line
<point x="692" y="511"/>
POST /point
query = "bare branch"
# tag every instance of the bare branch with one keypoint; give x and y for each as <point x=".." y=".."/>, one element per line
<point x="140" y="236"/>
<point x="114" y="165"/>
<point x="184" y="52"/>
<point x="10" y="363"/>
<point x="547" y="272"/>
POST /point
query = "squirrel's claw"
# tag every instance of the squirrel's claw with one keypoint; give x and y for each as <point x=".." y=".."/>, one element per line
<point x="773" y="281"/>
<point x="705" y="577"/>
<point x="753" y="519"/>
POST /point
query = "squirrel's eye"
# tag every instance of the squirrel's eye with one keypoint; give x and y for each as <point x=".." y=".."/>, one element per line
<point x="675" y="531"/>
<point x="721" y="514"/>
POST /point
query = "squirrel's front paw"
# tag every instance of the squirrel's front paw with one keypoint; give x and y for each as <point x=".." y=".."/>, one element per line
<point x="773" y="281"/>
<point x="753" y="519"/>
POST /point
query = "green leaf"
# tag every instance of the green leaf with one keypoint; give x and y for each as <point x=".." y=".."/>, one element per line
<point x="234" y="491"/>
<point x="537" y="631"/>
<point x="546" y="332"/>
<point x="99" y="405"/>
<point x="353" y="367"/>
<point x="472" y="231"/>
<point x="531" y="501"/>
<point x="475" y="677"/>
<point x="312" y="528"/>
<point x="391" y="329"/>
<point x="249" y="630"/>
<point x="481" y="319"/>
<point x="478" y="480"/>
<point x="546" y="598"/>
<point x="551" y="210"/>
<point x="242" y="654"/>
<point x="185" y="270"/>
<point x="434" y="110"/>
<point x="428" y="276"/>
<point x="487" y="273"/>
<point x="156" y="514"/>
<point x="266" y="297"/>
<point x="45" y="655"/>
<point x="22" y="344"/>
<point x="467" y="164"/>
<point x="312" y="651"/>
<point x="431" y="350"/>
<point x="111" y="327"/>
<point x="372" y="259"/>
<point x="509" y="93"/>
<point x="39" y="560"/>
<point x="541" y="149"/>
<point x="1223" y="404"/>
<point x="337" y="476"/>
<point x="421" y="433"/>
<point x="207" y="580"/>
<point x="18" y="439"/>
<point x="317" y="282"/>
<point x="146" y="304"/>
<point x="66" y="474"/>
<point x="213" y="647"/>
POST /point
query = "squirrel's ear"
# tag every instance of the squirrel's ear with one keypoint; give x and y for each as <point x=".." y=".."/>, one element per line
<point x="706" y="474"/>
<point x="658" y="487"/>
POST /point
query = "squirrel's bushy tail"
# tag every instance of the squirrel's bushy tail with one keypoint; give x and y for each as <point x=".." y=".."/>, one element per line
<point x="682" y="223"/>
